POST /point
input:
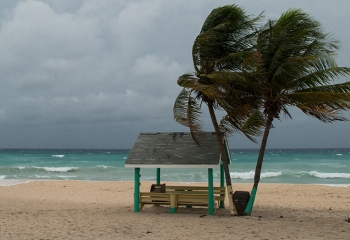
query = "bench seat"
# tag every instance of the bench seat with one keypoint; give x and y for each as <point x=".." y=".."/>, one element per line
<point x="219" y="192"/>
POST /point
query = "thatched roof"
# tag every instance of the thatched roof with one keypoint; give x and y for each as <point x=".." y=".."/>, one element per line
<point x="174" y="150"/>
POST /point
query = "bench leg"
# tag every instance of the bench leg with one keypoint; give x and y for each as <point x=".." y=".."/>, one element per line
<point x="173" y="203"/>
<point x="141" y="206"/>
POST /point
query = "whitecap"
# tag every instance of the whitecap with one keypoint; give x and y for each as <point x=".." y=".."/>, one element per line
<point x="242" y="175"/>
<point x="58" y="169"/>
<point x="66" y="177"/>
<point x="124" y="157"/>
<point x="21" y="167"/>
<point x="2" y="176"/>
<point x="42" y="177"/>
<point x="271" y="174"/>
<point x="58" y="156"/>
<point x="329" y="175"/>
<point x="102" y="166"/>
<point x="339" y="154"/>
<point x="250" y="175"/>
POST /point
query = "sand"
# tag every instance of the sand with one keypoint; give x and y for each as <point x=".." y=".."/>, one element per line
<point x="104" y="210"/>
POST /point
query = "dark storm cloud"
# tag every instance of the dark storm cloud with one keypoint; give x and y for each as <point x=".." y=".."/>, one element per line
<point x="93" y="74"/>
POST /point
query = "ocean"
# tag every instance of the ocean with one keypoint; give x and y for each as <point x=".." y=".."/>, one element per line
<point x="301" y="166"/>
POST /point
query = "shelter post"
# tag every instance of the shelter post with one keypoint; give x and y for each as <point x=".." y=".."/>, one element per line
<point x="210" y="192"/>
<point x="158" y="176"/>
<point x="137" y="190"/>
<point x="222" y="182"/>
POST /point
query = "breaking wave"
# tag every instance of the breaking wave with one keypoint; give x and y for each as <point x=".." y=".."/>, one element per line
<point x="250" y="175"/>
<point x="58" y="169"/>
<point x="329" y="175"/>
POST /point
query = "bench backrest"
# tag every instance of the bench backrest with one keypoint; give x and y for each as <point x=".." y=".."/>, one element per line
<point x="147" y="196"/>
<point x="195" y="189"/>
<point x="192" y="198"/>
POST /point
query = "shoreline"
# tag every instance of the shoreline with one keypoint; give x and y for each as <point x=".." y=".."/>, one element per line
<point x="104" y="210"/>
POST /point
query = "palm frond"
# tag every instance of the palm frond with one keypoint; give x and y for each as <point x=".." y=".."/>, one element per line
<point x="336" y="101"/>
<point x="252" y="126"/>
<point x="285" y="112"/>
<point x="319" y="77"/>
<point x="187" y="80"/>
<point x="334" y="88"/>
<point x="289" y="42"/>
<point x="187" y="112"/>
<point x="324" y="113"/>
<point x="226" y="30"/>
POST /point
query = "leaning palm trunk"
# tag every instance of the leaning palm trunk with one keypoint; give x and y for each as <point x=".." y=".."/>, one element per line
<point x="219" y="136"/>
<point x="249" y="208"/>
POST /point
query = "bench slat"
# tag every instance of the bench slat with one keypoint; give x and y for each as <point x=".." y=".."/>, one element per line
<point x="219" y="192"/>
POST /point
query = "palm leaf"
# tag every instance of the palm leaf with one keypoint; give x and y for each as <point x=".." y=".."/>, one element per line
<point x="187" y="113"/>
<point x="324" y="113"/>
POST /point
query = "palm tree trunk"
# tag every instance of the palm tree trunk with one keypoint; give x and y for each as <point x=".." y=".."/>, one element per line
<point x="249" y="208"/>
<point x="219" y="136"/>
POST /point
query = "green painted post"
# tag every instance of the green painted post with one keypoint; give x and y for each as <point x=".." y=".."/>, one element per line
<point x="249" y="208"/>
<point x="210" y="192"/>
<point x="158" y="176"/>
<point x="222" y="183"/>
<point x="137" y="190"/>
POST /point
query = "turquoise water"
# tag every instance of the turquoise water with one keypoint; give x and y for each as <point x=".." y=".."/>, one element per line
<point x="317" y="166"/>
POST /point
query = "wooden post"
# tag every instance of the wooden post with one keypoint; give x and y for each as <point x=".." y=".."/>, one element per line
<point x="222" y="183"/>
<point x="173" y="203"/>
<point x="137" y="190"/>
<point x="158" y="176"/>
<point x="210" y="192"/>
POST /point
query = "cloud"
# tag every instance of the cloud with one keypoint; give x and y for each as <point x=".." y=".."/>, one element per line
<point x="96" y="69"/>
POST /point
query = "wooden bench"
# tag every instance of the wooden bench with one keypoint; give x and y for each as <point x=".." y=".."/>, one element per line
<point x="174" y="199"/>
<point x="182" y="196"/>
<point x="154" y="198"/>
<point x="219" y="192"/>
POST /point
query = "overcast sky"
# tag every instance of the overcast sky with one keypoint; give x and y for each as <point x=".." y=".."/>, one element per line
<point x="94" y="74"/>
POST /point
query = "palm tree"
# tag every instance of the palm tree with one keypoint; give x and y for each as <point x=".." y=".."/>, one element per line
<point x="226" y="30"/>
<point x="293" y="65"/>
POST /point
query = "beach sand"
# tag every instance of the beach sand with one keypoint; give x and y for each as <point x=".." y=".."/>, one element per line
<point x="104" y="210"/>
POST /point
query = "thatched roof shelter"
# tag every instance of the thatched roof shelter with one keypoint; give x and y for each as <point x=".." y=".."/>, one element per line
<point x="175" y="150"/>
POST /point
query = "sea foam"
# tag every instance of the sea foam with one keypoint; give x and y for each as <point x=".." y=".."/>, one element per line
<point x="250" y="175"/>
<point x="58" y="169"/>
<point x="58" y="156"/>
<point x="329" y="175"/>
<point x="11" y="182"/>
<point x="41" y="177"/>
<point x="337" y="185"/>
<point x="102" y="166"/>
